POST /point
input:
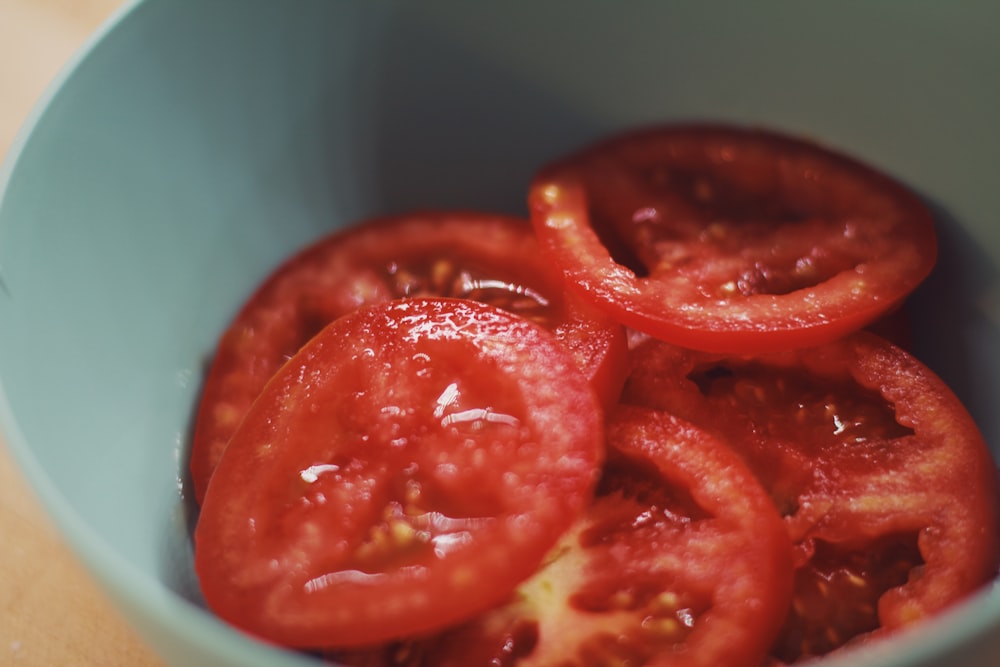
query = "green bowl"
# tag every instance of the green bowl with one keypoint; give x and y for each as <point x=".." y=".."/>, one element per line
<point x="193" y="145"/>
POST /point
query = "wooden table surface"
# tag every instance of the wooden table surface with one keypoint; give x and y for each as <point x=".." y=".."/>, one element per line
<point x="51" y="613"/>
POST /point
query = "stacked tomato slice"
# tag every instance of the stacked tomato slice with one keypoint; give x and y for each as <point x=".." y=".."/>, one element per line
<point x="732" y="240"/>
<point x="480" y="256"/>
<point x="643" y="428"/>
<point x="407" y="468"/>
<point x="886" y="488"/>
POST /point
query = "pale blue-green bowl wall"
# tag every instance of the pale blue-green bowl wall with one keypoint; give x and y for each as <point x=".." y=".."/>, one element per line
<point x="195" y="144"/>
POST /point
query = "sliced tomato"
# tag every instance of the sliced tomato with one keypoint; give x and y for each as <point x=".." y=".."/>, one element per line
<point x="681" y="560"/>
<point x="887" y="488"/>
<point x="730" y="239"/>
<point x="406" y="469"/>
<point x="485" y="257"/>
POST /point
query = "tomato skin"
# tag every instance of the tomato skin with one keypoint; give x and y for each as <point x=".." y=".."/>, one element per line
<point x="467" y="254"/>
<point x="680" y="561"/>
<point x="871" y="459"/>
<point x="730" y="239"/>
<point x="360" y="498"/>
<point x="750" y="573"/>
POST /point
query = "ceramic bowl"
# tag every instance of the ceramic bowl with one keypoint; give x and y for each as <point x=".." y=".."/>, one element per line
<point x="193" y="145"/>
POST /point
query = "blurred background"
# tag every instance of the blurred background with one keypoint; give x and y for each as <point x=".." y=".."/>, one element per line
<point x="51" y="615"/>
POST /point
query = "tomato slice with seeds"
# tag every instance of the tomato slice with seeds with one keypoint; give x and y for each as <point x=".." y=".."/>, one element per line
<point x="888" y="490"/>
<point x="406" y="469"/>
<point x="490" y="258"/>
<point x="680" y="560"/>
<point x="731" y="239"/>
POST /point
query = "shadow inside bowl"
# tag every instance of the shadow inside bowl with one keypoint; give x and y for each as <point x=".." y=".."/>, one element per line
<point x="952" y="329"/>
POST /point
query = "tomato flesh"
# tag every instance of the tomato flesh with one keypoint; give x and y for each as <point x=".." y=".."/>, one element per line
<point x="882" y="477"/>
<point x="837" y="594"/>
<point x="406" y="469"/>
<point x="680" y="559"/>
<point x="730" y="240"/>
<point x="489" y="258"/>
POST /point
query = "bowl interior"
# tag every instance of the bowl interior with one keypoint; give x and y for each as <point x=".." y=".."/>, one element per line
<point x="194" y="145"/>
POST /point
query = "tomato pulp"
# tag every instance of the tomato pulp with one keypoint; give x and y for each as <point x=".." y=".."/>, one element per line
<point x="490" y="258"/>
<point x="406" y="469"/>
<point x="887" y="488"/>
<point x="681" y="560"/>
<point x="729" y="239"/>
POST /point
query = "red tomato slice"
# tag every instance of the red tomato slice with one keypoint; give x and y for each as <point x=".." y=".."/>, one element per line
<point x="887" y="488"/>
<point x="406" y="469"/>
<point x="681" y="560"/>
<point x="732" y="240"/>
<point x="480" y="256"/>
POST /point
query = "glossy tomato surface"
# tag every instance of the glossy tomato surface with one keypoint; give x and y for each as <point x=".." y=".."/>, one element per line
<point x="489" y="258"/>
<point x="731" y="239"/>
<point x="680" y="560"/>
<point x="887" y="488"/>
<point x="406" y="469"/>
